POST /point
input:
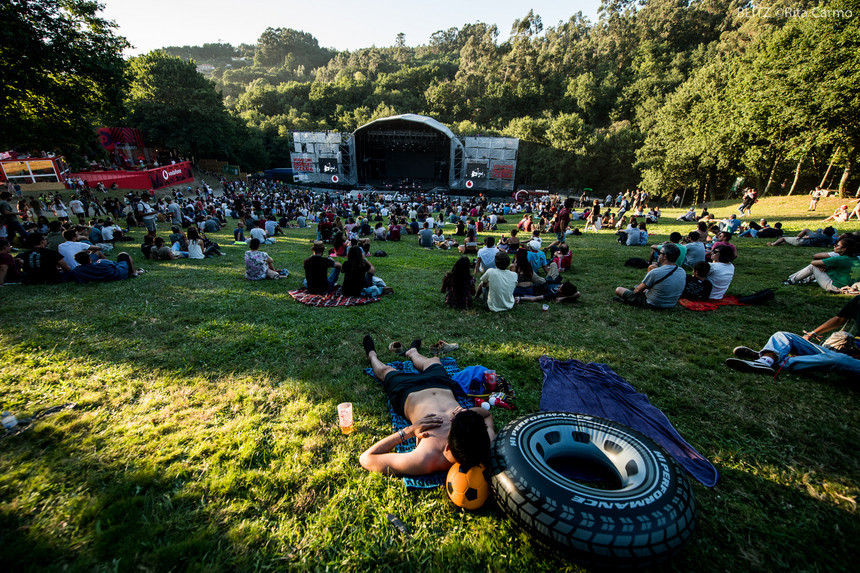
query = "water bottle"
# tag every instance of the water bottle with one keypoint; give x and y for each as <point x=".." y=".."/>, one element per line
<point x="8" y="420"/>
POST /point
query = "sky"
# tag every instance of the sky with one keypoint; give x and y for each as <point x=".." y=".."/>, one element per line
<point x="339" y="24"/>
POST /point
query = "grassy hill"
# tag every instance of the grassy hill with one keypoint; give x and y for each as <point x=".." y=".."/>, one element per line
<point x="204" y="434"/>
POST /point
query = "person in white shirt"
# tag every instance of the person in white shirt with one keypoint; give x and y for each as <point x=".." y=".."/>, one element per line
<point x="260" y="234"/>
<point x="722" y="270"/>
<point x="497" y="285"/>
<point x="486" y="256"/>
<point x="73" y="246"/>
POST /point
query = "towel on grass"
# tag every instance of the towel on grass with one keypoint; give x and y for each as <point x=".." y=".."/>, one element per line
<point x="399" y="422"/>
<point x="595" y="389"/>
<point x="334" y="298"/>
<point x="703" y="305"/>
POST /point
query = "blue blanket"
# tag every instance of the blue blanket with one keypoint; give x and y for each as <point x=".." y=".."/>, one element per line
<point x="399" y="422"/>
<point x="595" y="389"/>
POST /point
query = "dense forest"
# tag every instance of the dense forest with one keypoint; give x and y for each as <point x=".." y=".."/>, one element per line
<point x="662" y="94"/>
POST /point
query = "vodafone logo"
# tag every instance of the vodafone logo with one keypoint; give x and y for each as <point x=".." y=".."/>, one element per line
<point x="469" y="184"/>
<point x="335" y="178"/>
<point x="165" y="173"/>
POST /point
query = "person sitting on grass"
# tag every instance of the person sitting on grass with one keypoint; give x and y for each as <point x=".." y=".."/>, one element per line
<point x="459" y="284"/>
<point x="698" y="286"/>
<point x="102" y="270"/>
<point x="359" y="276"/>
<point x="832" y="272"/>
<point x="785" y="350"/>
<point x="840" y="215"/>
<point x="470" y="245"/>
<point x="510" y="244"/>
<point x="259" y="265"/>
<point x="40" y="264"/>
<point x="496" y="286"/>
<point x="722" y="271"/>
<point x="339" y="245"/>
<point x="486" y="256"/>
<point x="662" y="286"/>
<point x="10" y="267"/>
<point x="239" y="232"/>
<point x="695" y="250"/>
<point x="318" y="279"/>
<point x="674" y="239"/>
<point x="446" y="432"/>
<point x="425" y="236"/>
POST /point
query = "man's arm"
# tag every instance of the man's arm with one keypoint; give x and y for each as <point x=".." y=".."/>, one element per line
<point x="379" y="458"/>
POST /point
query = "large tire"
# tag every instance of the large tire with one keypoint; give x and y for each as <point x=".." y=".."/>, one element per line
<point x="644" y="518"/>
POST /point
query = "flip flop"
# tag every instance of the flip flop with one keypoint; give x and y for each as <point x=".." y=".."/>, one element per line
<point x="397" y="348"/>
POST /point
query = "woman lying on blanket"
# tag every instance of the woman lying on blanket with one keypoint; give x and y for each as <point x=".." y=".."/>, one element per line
<point x="446" y="432"/>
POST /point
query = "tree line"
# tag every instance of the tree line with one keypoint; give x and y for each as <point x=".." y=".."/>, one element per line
<point x="663" y="94"/>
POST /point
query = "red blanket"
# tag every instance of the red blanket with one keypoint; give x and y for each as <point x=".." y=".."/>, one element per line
<point x="703" y="305"/>
<point x="334" y="298"/>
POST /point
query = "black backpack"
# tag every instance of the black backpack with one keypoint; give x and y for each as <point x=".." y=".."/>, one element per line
<point x="760" y="297"/>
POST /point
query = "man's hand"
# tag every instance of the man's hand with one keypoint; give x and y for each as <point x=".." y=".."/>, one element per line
<point x="421" y="428"/>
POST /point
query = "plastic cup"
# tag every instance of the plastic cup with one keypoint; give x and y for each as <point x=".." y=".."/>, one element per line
<point x="344" y="417"/>
<point x="545" y="307"/>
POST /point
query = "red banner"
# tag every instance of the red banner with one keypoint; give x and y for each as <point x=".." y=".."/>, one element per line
<point x="303" y="165"/>
<point x="152" y="179"/>
<point x="170" y="175"/>
<point x="502" y="171"/>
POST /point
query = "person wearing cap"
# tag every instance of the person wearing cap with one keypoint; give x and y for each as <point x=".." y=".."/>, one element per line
<point x="840" y="215"/>
<point x="537" y="259"/>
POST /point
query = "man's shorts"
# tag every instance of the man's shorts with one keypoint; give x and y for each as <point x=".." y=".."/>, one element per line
<point x="399" y="385"/>
<point x="804" y="242"/>
<point x="149" y="223"/>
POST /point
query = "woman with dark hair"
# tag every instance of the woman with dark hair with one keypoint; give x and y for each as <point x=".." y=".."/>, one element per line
<point x="470" y="245"/>
<point x="338" y="245"/>
<point x="459" y="284"/>
<point x="524" y="271"/>
<point x="357" y="272"/>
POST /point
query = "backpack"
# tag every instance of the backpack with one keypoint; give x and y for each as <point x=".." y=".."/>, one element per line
<point x="757" y="298"/>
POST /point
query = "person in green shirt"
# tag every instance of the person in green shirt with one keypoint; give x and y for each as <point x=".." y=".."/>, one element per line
<point x="832" y="272"/>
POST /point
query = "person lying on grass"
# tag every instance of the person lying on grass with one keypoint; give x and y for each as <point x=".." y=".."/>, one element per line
<point x="839" y="353"/>
<point x="102" y="270"/>
<point x="446" y="432"/>
<point x="564" y="292"/>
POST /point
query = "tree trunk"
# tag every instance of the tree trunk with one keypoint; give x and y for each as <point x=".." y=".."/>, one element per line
<point x="849" y="167"/>
<point x="796" y="175"/>
<point x="683" y="196"/>
<point x="829" y="167"/>
<point x="712" y="183"/>
<point x="776" y="157"/>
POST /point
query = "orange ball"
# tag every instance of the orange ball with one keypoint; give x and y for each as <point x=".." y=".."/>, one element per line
<point x="467" y="489"/>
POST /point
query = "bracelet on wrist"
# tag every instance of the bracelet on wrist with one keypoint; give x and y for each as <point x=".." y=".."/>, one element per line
<point x="402" y="435"/>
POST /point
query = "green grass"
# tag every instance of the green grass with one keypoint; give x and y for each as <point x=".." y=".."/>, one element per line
<point x="205" y="436"/>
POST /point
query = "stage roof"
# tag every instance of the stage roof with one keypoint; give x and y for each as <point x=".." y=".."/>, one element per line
<point x="428" y="121"/>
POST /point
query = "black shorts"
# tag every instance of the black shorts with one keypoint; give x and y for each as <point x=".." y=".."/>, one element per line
<point x="399" y="385"/>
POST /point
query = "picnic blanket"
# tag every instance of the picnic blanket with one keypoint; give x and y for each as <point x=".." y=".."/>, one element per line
<point x="704" y="305"/>
<point x="399" y="422"/>
<point x="595" y="389"/>
<point x="334" y="298"/>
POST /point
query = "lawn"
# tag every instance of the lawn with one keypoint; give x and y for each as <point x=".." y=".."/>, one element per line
<point x="204" y="435"/>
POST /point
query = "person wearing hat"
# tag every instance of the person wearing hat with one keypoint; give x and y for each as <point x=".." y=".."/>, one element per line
<point x="537" y="259"/>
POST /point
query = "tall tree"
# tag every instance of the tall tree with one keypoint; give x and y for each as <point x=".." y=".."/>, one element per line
<point x="62" y="73"/>
<point x="177" y="107"/>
